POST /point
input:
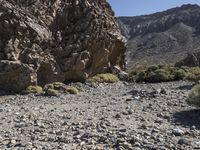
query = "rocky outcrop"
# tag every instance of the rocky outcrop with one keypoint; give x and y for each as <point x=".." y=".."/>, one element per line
<point x="56" y="40"/>
<point x="191" y="60"/>
<point x="162" y="38"/>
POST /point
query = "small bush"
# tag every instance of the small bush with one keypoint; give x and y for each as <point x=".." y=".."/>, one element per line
<point x="33" y="90"/>
<point x="179" y="74"/>
<point x="55" y="88"/>
<point x="154" y="75"/>
<point x="141" y="76"/>
<point x="162" y="75"/>
<point x="61" y="87"/>
<point x="72" y="90"/>
<point x="107" y="78"/>
<point x="194" y="96"/>
<point x="153" y="68"/>
<point x="52" y="92"/>
<point x="78" y="86"/>
<point x="58" y="84"/>
<point x="193" y="74"/>
<point x="194" y="70"/>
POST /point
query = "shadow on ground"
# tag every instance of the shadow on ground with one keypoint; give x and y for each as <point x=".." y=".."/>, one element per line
<point x="188" y="118"/>
<point x="185" y="87"/>
<point x="7" y="93"/>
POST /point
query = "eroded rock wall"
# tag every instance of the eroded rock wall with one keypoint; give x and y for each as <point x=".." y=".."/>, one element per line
<point x="56" y="40"/>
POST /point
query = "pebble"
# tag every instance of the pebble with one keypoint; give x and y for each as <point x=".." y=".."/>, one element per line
<point x="177" y="132"/>
<point x="184" y="142"/>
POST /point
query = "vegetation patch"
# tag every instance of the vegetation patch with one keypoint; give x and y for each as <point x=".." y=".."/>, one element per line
<point x="52" y="92"/>
<point x="194" y="96"/>
<point x="105" y="78"/>
<point x="55" y="87"/>
<point x="160" y="73"/>
<point x="193" y="74"/>
<point x="33" y="90"/>
<point x="78" y="86"/>
<point x="72" y="90"/>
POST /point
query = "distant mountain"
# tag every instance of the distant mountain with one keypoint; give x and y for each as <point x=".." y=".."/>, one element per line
<point x="162" y="38"/>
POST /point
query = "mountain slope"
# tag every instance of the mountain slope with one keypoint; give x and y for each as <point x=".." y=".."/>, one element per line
<point x="163" y="37"/>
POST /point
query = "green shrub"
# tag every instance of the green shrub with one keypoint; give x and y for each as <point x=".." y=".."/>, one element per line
<point x="152" y="68"/>
<point x="52" y="92"/>
<point x="32" y="90"/>
<point x="185" y="68"/>
<point x="107" y="78"/>
<point x="154" y="75"/>
<point x="72" y="90"/>
<point x="161" y="73"/>
<point x="194" y="70"/>
<point x="55" y="88"/>
<point x="191" y="77"/>
<point x="141" y="76"/>
<point x="194" y="96"/>
<point x="61" y="87"/>
<point x="58" y="84"/>
<point x="179" y="74"/>
<point x="193" y="74"/>
<point x="136" y="69"/>
<point x="78" y="86"/>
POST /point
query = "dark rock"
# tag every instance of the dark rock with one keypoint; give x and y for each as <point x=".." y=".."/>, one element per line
<point x="184" y="142"/>
<point x="191" y="60"/>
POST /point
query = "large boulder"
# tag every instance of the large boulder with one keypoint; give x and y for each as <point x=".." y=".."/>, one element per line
<point x="56" y="40"/>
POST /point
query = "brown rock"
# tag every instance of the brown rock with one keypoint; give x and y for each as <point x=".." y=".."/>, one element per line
<point x="57" y="40"/>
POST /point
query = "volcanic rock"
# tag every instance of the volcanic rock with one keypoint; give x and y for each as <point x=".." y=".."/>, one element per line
<point x="56" y="40"/>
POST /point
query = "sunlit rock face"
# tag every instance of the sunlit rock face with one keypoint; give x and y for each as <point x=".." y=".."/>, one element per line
<point x="56" y="40"/>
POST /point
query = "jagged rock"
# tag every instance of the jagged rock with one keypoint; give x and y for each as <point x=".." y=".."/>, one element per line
<point x="122" y="75"/>
<point x="57" y="40"/>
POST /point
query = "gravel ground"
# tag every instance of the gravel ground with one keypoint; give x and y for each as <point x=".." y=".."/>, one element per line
<point x="110" y="116"/>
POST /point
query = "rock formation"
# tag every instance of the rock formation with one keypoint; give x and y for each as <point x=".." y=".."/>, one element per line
<point x="56" y="40"/>
<point x="162" y="38"/>
<point x="191" y="60"/>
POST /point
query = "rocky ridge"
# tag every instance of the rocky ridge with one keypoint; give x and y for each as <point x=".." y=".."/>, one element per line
<point x="56" y="40"/>
<point x="162" y="38"/>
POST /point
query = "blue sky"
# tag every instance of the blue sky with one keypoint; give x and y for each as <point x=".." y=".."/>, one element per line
<point x="141" y="7"/>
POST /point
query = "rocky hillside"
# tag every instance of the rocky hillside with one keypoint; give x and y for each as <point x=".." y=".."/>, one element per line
<point x="56" y="40"/>
<point x="164" y="37"/>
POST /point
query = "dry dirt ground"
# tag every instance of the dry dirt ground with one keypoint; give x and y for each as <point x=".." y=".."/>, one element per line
<point x="117" y="116"/>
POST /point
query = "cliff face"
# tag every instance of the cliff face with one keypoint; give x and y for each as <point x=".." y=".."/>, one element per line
<point x="162" y="38"/>
<point x="56" y="40"/>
